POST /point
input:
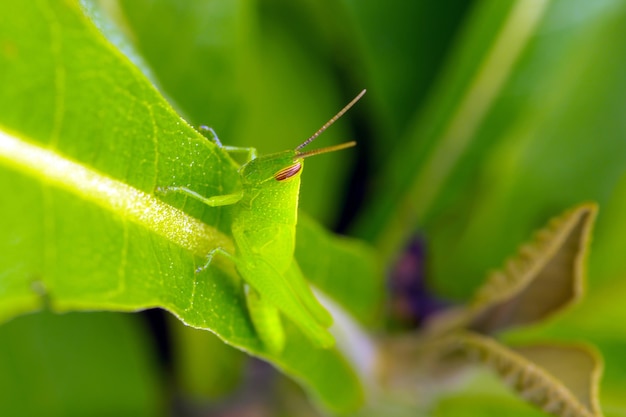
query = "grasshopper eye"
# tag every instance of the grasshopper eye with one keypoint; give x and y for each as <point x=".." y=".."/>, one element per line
<point x="286" y="173"/>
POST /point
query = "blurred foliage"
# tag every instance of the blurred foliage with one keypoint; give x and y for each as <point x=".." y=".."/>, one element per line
<point x="47" y="366"/>
<point x="482" y="120"/>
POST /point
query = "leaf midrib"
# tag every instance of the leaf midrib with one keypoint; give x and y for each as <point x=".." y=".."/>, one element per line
<point x="115" y="196"/>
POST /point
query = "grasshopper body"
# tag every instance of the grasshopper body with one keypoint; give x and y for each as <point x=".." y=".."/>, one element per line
<point x="265" y="213"/>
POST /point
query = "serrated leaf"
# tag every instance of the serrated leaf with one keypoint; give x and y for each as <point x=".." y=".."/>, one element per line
<point x="483" y="405"/>
<point x="561" y="380"/>
<point x="545" y="276"/>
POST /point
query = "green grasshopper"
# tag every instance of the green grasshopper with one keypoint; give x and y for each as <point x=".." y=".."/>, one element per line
<point x="263" y="228"/>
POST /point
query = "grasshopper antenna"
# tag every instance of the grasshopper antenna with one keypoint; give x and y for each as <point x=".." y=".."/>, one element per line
<point x="327" y="149"/>
<point x="331" y="121"/>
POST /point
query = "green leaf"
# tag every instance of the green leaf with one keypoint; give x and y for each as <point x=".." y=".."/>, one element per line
<point x="81" y="229"/>
<point x="561" y="380"/>
<point x="399" y="79"/>
<point x="78" y="168"/>
<point x="417" y="173"/>
<point x="193" y="49"/>
<point x="345" y="269"/>
<point x="552" y="138"/>
<point x="77" y="364"/>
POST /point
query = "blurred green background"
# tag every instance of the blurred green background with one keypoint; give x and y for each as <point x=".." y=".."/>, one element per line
<point x="482" y="120"/>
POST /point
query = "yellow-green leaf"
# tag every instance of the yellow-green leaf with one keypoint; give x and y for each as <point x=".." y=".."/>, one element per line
<point x="85" y="139"/>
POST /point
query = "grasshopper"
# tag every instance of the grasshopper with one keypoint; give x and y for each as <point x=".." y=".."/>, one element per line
<point x="265" y="210"/>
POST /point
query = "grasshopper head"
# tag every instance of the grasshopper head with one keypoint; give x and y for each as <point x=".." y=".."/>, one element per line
<point x="270" y="167"/>
<point x="282" y="166"/>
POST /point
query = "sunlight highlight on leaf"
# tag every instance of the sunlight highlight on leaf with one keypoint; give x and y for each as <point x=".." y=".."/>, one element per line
<point x="120" y="198"/>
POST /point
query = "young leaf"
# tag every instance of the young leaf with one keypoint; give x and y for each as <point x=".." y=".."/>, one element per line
<point x="545" y="276"/>
<point x="561" y="380"/>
